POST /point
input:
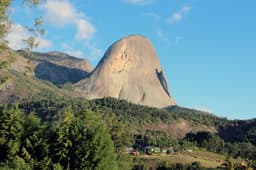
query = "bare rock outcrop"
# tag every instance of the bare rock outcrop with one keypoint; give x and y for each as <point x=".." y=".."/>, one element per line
<point x="129" y="70"/>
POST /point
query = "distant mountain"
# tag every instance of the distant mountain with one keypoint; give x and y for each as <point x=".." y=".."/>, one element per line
<point x="58" y="68"/>
<point x="23" y="76"/>
<point x="129" y="70"/>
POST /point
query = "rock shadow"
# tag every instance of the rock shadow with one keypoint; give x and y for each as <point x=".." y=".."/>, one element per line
<point x="162" y="79"/>
<point x="59" y="75"/>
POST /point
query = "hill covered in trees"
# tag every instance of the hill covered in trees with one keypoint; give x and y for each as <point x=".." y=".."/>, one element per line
<point x="60" y="132"/>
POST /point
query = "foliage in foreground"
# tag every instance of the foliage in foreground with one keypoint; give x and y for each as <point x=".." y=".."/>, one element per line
<point x="70" y="141"/>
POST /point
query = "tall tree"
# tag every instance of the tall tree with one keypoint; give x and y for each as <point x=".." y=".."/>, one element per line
<point x="81" y="142"/>
<point x="100" y="148"/>
<point x="34" y="146"/>
<point x="11" y="129"/>
<point x="60" y="143"/>
<point x="4" y="22"/>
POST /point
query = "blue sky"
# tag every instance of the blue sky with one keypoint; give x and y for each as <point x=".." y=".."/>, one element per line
<point x="207" y="48"/>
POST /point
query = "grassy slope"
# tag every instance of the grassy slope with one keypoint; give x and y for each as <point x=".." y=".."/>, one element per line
<point x="206" y="159"/>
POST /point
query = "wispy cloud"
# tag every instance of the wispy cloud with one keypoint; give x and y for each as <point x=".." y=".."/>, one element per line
<point x="139" y="2"/>
<point x="167" y="39"/>
<point x="94" y="52"/>
<point x="18" y="34"/>
<point x="163" y="36"/>
<point x="202" y="109"/>
<point x="76" y="53"/>
<point x="62" y="12"/>
<point x="179" y="15"/>
<point x="92" y="55"/>
<point x="152" y="15"/>
<point x="84" y="30"/>
<point x="71" y="51"/>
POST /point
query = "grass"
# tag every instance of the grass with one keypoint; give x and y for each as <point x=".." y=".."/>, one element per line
<point x="206" y="159"/>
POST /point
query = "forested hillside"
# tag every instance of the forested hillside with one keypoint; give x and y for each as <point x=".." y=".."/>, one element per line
<point x="58" y="132"/>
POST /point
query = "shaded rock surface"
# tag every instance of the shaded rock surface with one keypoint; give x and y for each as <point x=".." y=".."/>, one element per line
<point x="58" y="68"/>
<point x="58" y="74"/>
<point x="129" y="70"/>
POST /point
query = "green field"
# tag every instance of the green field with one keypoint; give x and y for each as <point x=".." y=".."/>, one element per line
<point x="206" y="159"/>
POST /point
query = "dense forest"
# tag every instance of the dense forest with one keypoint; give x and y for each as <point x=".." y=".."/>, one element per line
<point x="72" y="140"/>
<point x="63" y="133"/>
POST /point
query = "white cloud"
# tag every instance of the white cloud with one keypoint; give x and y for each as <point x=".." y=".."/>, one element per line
<point x="152" y="15"/>
<point x="186" y="9"/>
<point x="178" y="16"/>
<point x="43" y="43"/>
<point x="59" y="12"/>
<point x="167" y="39"/>
<point x="202" y="109"/>
<point x="139" y="2"/>
<point x="65" y="46"/>
<point x="163" y="36"/>
<point x="76" y="53"/>
<point x="71" y="51"/>
<point x="18" y="34"/>
<point x="93" y="52"/>
<point x="84" y="30"/>
<point x="62" y="12"/>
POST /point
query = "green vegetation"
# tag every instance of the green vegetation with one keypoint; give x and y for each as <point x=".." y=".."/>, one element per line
<point x="180" y="166"/>
<point x="70" y="141"/>
<point x="142" y="115"/>
<point x="3" y="65"/>
<point x="214" y="143"/>
<point x="3" y="80"/>
<point x="198" y="116"/>
<point x="47" y="131"/>
<point x="242" y="131"/>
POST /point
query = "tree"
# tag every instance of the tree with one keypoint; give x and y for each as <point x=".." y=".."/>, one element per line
<point x="81" y="141"/>
<point x="11" y="129"/>
<point x="34" y="146"/>
<point x="120" y="133"/>
<point x="194" y="166"/>
<point x="207" y="140"/>
<point x="100" y="148"/>
<point x="5" y="23"/>
<point x="229" y="164"/>
<point x="60" y="142"/>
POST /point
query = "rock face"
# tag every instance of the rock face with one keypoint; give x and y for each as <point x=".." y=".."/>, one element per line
<point x="129" y="70"/>
<point x="65" y="60"/>
<point x="58" y="68"/>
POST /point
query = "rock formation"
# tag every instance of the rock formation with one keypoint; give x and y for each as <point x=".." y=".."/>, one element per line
<point x="58" y="68"/>
<point x="129" y="70"/>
